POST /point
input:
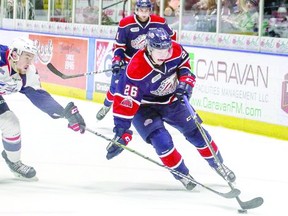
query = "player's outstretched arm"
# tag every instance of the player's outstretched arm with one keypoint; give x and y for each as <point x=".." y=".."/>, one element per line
<point x="45" y="102"/>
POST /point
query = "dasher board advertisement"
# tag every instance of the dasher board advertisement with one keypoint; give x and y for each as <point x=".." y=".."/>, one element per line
<point x="243" y="85"/>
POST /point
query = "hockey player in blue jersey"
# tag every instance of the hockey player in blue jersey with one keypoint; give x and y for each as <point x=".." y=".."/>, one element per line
<point x="149" y="94"/>
<point x="130" y="37"/>
<point x="18" y="74"/>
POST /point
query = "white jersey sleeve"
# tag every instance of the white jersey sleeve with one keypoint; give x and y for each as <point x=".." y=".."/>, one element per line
<point x="33" y="78"/>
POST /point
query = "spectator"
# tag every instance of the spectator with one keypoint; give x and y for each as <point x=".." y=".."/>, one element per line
<point x="278" y="25"/>
<point x="188" y="4"/>
<point x="227" y="7"/>
<point x="21" y="9"/>
<point x="205" y="7"/>
<point x="172" y="8"/>
<point x="245" y="20"/>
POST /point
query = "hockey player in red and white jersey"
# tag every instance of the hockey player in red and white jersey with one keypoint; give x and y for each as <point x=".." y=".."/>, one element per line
<point x="129" y="39"/>
<point x="18" y="74"/>
<point x="150" y="94"/>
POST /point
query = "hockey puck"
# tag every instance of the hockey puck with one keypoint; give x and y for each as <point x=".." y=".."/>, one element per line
<point x="242" y="211"/>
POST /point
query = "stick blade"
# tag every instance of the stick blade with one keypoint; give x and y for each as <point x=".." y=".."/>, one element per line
<point x="251" y="204"/>
<point x="54" y="70"/>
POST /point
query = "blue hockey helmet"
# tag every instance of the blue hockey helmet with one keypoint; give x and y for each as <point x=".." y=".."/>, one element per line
<point x="143" y="9"/>
<point x="159" y="45"/>
<point x="143" y="4"/>
<point x="158" y="39"/>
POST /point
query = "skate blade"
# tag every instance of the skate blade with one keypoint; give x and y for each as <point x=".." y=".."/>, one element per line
<point x="22" y="178"/>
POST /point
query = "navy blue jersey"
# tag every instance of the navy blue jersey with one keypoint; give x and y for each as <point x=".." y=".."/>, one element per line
<point x="131" y="35"/>
<point x="144" y="84"/>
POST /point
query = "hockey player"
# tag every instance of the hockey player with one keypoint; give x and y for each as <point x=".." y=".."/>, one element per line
<point x="149" y="94"/>
<point x="18" y="74"/>
<point x="129" y="39"/>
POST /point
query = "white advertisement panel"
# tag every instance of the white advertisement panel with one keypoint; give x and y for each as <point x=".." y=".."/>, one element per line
<point x="243" y="85"/>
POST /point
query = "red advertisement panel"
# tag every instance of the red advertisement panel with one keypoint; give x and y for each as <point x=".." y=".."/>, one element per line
<point x="68" y="55"/>
<point x="101" y="52"/>
<point x="103" y="60"/>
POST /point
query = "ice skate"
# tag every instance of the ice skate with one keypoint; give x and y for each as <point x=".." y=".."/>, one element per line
<point x="102" y="112"/>
<point x="188" y="184"/>
<point x="225" y="173"/>
<point x="19" y="169"/>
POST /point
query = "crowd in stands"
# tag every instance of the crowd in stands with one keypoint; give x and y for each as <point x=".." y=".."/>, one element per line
<point x="237" y="16"/>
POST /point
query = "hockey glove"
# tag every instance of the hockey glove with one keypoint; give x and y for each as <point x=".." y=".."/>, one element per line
<point x="122" y="137"/>
<point x="185" y="87"/>
<point x="76" y="121"/>
<point x="117" y="63"/>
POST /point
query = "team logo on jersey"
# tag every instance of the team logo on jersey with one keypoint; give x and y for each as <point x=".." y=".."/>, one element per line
<point x="167" y="86"/>
<point x="127" y="102"/>
<point x="139" y="42"/>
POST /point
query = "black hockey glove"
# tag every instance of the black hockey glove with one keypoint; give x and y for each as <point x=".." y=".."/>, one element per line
<point x="121" y="136"/>
<point x="185" y="87"/>
<point x="76" y="121"/>
<point x="117" y="63"/>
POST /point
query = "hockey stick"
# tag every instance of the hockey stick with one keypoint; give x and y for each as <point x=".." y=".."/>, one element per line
<point x="231" y="194"/>
<point x="116" y="3"/>
<point x="54" y="70"/>
<point x="254" y="203"/>
<point x="124" y="8"/>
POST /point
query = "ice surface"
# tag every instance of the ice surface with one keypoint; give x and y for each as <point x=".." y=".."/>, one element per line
<point x="76" y="179"/>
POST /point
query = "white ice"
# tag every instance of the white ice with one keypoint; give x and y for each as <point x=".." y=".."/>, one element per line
<point x="76" y="179"/>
